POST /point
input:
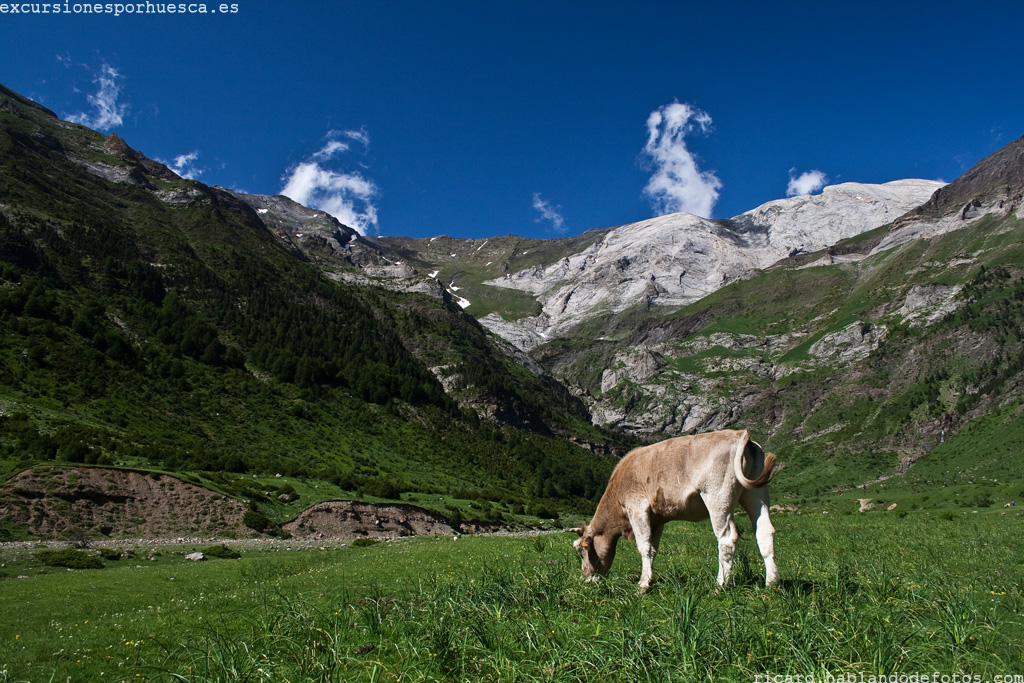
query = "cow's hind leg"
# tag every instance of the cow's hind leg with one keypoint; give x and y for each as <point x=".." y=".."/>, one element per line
<point x="756" y="504"/>
<point x="725" y="531"/>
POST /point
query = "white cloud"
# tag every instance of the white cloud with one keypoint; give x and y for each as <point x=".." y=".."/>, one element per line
<point x="348" y="196"/>
<point x="553" y="214"/>
<point x="108" y="112"/>
<point x="806" y="183"/>
<point x="330" y="149"/>
<point x="185" y="165"/>
<point x="335" y="146"/>
<point x="358" y="135"/>
<point x="677" y="184"/>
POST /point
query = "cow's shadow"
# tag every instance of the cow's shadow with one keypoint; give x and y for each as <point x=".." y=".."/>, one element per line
<point x="747" y="576"/>
<point x="793" y="586"/>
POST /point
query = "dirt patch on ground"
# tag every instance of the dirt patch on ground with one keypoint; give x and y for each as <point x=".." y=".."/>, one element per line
<point x="347" y="519"/>
<point x="54" y="502"/>
<point x="351" y="519"/>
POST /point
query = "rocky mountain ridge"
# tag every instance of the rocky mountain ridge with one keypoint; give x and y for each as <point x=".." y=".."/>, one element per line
<point x="674" y="260"/>
<point x="660" y="263"/>
<point x="994" y="187"/>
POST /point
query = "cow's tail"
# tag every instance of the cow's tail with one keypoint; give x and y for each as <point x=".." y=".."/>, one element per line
<point x="742" y="447"/>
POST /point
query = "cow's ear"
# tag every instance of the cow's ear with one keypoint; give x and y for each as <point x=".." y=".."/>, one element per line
<point x="586" y="541"/>
<point x="579" y="530"/>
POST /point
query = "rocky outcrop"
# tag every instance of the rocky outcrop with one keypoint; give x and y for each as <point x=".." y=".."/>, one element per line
<point x="997" y="177"/>
<point x="927" y="304"/>
<point x="992" y="187"/>
<point x="848" y="345"/>
<point x="341" y="252"/>
<point x="970" y="214"/>
<point x="296" y="223"/>
<point x="127" y="165"/>
<point x="636" y="365"/>
<point x="704" y="382"/>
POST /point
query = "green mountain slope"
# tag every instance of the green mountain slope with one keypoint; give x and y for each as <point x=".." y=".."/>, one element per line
<point x="150" y="321"/>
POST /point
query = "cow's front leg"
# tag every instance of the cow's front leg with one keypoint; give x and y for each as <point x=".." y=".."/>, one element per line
<point x="647" y="557"/>
<point x="645" y="545"/>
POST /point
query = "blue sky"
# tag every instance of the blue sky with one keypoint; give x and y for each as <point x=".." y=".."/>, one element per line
<point x="544" y="119"/>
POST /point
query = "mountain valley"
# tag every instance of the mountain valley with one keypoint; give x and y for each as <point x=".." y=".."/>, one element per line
<point x="871" y="335"/>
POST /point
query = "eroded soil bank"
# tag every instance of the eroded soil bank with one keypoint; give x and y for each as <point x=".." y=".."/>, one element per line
<point x="56" y="502"/>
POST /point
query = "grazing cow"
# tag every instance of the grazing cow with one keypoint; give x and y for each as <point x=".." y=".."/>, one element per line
<point x="690" y="478"/>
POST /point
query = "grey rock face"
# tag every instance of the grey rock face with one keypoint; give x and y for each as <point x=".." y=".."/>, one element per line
<point x="676" y="259"/>
<point x="637" y="366"/>
<point x="926" y="304"/>
<point x="293" y="221"/>
<point x="850" y="344"/>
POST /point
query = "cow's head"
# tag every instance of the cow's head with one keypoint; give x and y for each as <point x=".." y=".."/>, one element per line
<point x="596" y="551"/>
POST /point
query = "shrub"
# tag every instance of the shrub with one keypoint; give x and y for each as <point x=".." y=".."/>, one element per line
<point x="78" y="539"/>
<point x="256" y="521"/>
<point x="364" y="542"/>
<point x="545" y="512"/>
<point x="380" y="488"/>
<point x="109" y="554"/>
<point x="222" y="551"/>
<point x="70" y="558"/>
<point x="455" y="518"/>
<point x="289" y="490"/>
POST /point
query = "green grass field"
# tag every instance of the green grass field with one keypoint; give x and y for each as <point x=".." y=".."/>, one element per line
<point x="869" y="593"/>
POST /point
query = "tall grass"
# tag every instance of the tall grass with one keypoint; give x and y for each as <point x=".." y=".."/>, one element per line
<point x="865" y="593"/>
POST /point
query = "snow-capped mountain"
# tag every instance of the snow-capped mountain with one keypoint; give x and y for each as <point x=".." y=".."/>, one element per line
<point x="679" y="258"/>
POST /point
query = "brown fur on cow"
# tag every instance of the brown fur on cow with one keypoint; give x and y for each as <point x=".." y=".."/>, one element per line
<point x="688" y="478"/>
